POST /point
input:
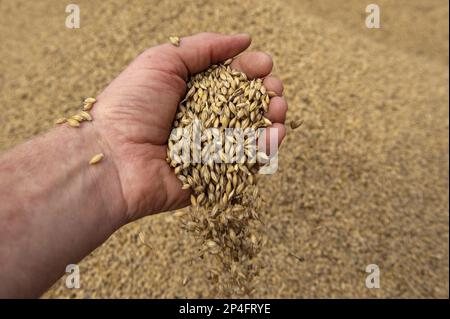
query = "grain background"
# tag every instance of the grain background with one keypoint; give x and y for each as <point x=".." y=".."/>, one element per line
<point x="364" y="180"/>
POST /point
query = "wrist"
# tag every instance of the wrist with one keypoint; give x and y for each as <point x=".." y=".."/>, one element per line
<point x="56" y="207"/>
<point x="103" y="178"/>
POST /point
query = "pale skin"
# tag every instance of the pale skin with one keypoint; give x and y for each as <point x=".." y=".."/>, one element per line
<point x="56" y="208"/>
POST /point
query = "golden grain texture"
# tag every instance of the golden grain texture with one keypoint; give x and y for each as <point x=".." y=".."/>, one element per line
<point x="225" y="200"/>
<point x="364" y="180"/>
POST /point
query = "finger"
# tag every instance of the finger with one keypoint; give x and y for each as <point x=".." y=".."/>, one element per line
<point x="277" y="110"/>
<point x="272" y="83"/>
<point x="253" y="64"/>
<point x="198" y="52"/>
<point x="176" y="196"/>
<point x="273" y="134"/>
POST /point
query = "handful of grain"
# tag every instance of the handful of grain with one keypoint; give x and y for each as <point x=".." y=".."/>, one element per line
<point x="213" y="152"/>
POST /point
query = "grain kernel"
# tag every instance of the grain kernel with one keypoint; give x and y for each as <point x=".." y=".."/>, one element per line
<point x="96" y="159"/>
<point x="72" y="122"/>
<point x="85" y="115"/>
<point x="224" y="196"/>
<point x="61" y="120"/>
<point x="296" y="124"/>
<point x="78" y="118"/>
<point x="175" y="41"/>
<point x="90" y="100"/>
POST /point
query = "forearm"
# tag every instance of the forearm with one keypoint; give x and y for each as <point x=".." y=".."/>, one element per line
<point x="55" y="208"/>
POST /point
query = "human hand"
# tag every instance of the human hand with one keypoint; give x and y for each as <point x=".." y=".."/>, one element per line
<point x="134" y="114"/>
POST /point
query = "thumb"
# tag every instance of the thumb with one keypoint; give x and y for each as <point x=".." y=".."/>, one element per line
<point x="196" y="53"/>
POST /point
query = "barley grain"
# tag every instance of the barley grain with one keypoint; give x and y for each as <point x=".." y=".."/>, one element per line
<point x="73" y="122"/>
<point x="267" y="122"/>
<point x="227" y="62"/>
<point x="175" y="41"/>
<point x="143" y="241"/>
<point x="88" y="106"/>
<point x="85" y="115"/>
<point x="90" y="100"/>
<point x="78" y="118"/>
<point x="224" y="201"/>
<point x="61" y="120"/>
<point x="179" y="214"/>
<point x="96" y="159"/>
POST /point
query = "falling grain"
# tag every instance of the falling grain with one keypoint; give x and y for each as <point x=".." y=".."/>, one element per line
<point x="224" y="199"/>
<point x="78" y="118"/>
